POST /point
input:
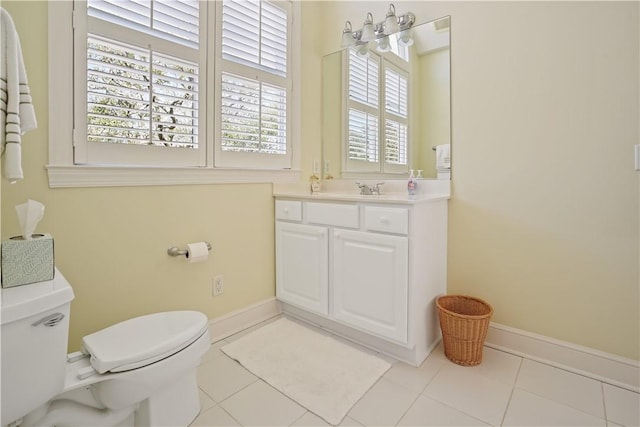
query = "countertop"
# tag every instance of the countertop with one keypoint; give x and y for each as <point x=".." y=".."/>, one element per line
<point x="395" y="198"/>
<point x="346" y="191"/>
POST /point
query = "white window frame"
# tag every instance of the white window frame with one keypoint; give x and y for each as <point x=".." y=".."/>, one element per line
<point x="62" y="171"/>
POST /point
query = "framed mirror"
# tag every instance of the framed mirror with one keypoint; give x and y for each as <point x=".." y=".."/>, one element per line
<point x="387" y="106"/>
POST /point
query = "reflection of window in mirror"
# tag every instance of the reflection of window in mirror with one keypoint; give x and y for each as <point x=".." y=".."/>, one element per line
<point x="377" y="105"/>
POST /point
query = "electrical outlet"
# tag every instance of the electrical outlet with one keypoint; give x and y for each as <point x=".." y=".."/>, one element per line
<point x="217" y="285"/>
<point x="316" y="167"/>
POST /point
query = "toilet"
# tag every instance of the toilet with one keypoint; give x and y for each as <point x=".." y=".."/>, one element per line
<point x="140" y="372"/>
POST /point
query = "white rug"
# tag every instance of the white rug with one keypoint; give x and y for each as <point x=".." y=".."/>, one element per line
<point x="319" y="372"/>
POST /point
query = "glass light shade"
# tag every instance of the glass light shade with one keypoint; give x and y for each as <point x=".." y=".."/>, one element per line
<point x="391" y="25"/>
<point x="347" y="35"/>
<point x="383" y="44"/>
<point x="405" y="38"/>
<point x="347" y="39"/>
<point x="363" y="49"/>
<point x="368" y="30"/>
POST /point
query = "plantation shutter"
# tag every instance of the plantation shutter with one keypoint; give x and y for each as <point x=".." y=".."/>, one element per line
<point x="362" y="147"/>
<point x="363" y="136"/>
<point x="142" y="83"/>
<point x="377" y="110"/>
<point x="255" y="84"/>
<point x="396" y="117"/>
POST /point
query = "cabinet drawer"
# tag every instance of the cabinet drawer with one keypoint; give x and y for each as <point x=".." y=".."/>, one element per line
<point x="289" y="209"/>
<point x="390" y="220"/>
<point x="332" y="214"/>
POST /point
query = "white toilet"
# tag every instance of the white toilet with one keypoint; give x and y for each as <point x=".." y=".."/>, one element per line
<point x="140" y="372"/>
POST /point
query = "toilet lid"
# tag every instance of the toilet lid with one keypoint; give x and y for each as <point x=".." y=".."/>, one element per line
<point x="143" y="340"/>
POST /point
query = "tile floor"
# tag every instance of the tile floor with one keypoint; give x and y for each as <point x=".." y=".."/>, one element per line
<point x="504" y="390"/>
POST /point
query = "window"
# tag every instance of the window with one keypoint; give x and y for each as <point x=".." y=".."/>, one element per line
<point x="184" y="85"/>
<point x="395" y="114"/>
<point x="377" y="115"/>
<point x="255" y="83"/>
<point x="139" y="101"/>
<point x="362" y="149"/>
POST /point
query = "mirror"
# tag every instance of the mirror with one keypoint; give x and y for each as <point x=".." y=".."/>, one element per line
<point x="352" y="123"/>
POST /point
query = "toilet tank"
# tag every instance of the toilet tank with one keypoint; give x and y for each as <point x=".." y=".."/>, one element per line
<point x="34" y="331"/>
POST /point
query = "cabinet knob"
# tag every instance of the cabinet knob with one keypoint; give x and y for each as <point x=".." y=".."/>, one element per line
<point x="286" y="210"/>
<point x="384" y="220"/>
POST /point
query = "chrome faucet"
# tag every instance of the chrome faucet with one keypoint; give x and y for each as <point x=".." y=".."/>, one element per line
<point x="376" y="188"/>
<point x="365" y="190"/>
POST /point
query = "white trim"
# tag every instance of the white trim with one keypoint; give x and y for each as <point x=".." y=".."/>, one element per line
<point x="239" y="320"/>
<point x="60" y="82"/>
<point x="605" y="367"/>
<point x="119" y="176"/>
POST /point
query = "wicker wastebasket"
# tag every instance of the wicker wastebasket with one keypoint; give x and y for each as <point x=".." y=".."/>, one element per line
<point x="464" y="322"/>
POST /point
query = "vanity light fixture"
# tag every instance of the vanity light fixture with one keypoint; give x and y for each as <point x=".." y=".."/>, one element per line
<point x="368" y="31"/>
<point x="391" y="22"/>
<point x="348" y="38"/>
<point x="380" y="31"/>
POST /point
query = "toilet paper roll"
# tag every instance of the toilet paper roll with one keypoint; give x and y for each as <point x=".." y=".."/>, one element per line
<point x="197" y="252"/>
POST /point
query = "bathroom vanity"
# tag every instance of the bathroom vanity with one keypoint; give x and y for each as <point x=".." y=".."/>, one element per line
<point x="368" y="268"/>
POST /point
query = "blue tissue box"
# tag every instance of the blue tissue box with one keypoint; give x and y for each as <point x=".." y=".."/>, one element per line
<point x="27" y="261"/>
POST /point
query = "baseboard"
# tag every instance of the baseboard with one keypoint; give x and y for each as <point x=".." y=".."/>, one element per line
<point x="239" y="320"/>
<point x="605" y="367"/>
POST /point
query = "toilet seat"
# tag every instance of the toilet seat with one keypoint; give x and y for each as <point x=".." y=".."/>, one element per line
<point x="143" y="340"/>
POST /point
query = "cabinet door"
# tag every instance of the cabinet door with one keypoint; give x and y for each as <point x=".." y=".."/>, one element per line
<point x="370" y="282"/>
<point x="302" y="266"/>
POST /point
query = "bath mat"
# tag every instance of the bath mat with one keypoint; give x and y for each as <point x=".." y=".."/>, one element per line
<point x="319" y="372"/>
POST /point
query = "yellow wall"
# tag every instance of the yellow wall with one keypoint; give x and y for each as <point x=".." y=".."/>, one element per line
<point x="433" y="123"/>
<point x="545" y="206"/>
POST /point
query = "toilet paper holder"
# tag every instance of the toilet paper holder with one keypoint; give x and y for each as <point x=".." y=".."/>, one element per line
<point x="174" y="251"/>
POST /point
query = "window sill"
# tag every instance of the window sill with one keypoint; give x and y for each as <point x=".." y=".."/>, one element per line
<point x="122" y="176"/>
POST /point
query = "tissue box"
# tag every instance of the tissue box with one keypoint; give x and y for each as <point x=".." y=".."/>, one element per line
<point x="27" y="261"/>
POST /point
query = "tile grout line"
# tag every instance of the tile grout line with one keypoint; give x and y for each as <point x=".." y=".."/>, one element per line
<point x="420" y="393"/>
<point x="435" y="399"/>
<point x="408" y="408"/>
<point x="513" y="389"/>
<point x="604" y="404"/>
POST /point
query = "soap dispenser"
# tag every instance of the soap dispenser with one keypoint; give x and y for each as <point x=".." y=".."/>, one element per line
<point x="412" y="184"/>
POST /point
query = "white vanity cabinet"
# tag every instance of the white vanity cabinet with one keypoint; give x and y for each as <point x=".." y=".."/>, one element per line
<point x="302" y="268"/>
<point x="369" y="282"/>
<point x="366" y="270"/>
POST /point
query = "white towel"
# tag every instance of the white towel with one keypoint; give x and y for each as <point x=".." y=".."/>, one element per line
<point x="17" y="115"/>
<point x="443" y="157"/>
